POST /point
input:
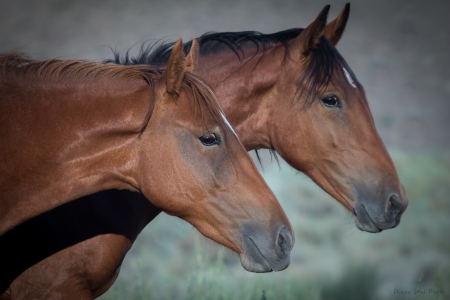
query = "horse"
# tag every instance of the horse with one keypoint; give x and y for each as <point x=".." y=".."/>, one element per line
<point x="72" y="128"/>
<point x="293" y="93"/>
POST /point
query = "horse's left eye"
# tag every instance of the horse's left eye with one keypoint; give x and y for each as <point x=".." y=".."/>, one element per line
<point x="331" y="101"/>
<point x="209" y="139"/>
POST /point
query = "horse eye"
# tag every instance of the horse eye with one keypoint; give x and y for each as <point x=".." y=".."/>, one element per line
<point x="209" y="139"/>
<point x="331" y="101"/>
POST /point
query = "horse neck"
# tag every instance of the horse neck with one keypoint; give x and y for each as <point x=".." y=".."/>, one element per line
<point x="68" y="140"/>
<point x="245" y="89"/>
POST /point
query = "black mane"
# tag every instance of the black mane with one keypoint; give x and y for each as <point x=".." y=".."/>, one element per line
<point x="325" y="59"/>
<point x="158" y="53"/>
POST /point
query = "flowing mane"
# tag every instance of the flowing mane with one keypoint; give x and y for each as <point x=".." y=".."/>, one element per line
<point x="325" y="60"/>
<point x="15" y="66"/>
<point x="19" y="65"/>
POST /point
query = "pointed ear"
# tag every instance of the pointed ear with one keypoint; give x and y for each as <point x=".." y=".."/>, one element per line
<point x="191" y="58"/>
<point x="175" y="69"/>
<point x="310" y="36"/>
<point x="335" y="29"/>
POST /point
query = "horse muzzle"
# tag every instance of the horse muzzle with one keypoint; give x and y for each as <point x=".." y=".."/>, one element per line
<point x="372" y="217"/>
<point x="261" y="255"/>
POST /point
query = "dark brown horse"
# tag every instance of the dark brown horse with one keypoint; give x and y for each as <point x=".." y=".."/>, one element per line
<point x="293" y="93"/>
<point x="71" y="128"/>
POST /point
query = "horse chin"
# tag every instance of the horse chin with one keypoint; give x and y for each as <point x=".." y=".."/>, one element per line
<point x="363" y="221"/>
<point x="251" y="265"/>
<point x="252" y="258"/>
<point x="367" y="226"/>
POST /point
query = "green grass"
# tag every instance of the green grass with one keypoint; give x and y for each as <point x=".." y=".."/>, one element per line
<point x="331" y="258"/>
<point x="356" y="282"/>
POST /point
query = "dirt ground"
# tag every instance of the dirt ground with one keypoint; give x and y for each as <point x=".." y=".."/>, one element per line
<point x="398" y="49"/>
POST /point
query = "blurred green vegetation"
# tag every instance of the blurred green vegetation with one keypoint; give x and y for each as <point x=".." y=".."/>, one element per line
<point x="331" y="258"/>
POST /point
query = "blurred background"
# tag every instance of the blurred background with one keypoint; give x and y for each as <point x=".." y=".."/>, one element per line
<point x="400" y="52"/>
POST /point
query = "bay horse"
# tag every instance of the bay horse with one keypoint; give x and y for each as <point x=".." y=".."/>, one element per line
<point x="293" y="93"/>
<point x="72" y="128"/>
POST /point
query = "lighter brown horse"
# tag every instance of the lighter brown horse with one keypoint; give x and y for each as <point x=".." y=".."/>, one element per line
<point x="290" y="92"/>
<point x="72" y="128"/>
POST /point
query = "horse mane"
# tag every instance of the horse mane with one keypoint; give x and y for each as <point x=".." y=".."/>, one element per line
<point x="325" y="60"/>
<point x="20" y="66"/>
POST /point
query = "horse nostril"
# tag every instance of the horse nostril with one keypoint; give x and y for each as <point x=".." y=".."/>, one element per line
<point x="394" y="206"/>
<point x="284" y="242"/>
<point x="280" y="240"/>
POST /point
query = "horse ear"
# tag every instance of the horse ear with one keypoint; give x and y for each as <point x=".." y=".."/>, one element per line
<point x="310" y="36"/>
<point x="191" y="58"/>
<point x="175" y="69"/>
<point x="335" y="29"/>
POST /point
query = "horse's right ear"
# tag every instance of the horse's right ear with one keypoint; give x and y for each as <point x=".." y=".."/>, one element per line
<point x="309" y="38"/>
<point x="191" y="58"/>
<point x="175" y="69"/>
<point x="335" y="29"/>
